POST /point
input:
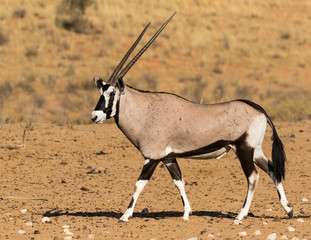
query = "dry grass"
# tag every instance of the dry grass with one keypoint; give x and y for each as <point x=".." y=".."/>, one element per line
<point x="211" y="51"/>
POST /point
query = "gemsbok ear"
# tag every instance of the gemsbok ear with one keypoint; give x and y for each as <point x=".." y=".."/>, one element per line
<point x="121" y="85"/>
<point x="98" y="82"/>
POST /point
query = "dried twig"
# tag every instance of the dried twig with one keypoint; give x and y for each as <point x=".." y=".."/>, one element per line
<point x="17" y="197"/>
<point x="16" y="146"/>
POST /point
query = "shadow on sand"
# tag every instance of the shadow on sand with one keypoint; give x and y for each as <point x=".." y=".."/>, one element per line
<point x="154" y="215"/>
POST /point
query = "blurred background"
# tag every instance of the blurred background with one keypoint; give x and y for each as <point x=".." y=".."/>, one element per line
<point x="211" y="51"/>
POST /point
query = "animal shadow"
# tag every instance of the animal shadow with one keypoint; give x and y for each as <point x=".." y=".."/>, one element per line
<point x="153" y="215"/>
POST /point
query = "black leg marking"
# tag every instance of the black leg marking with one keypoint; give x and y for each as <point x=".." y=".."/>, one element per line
<point x="148" y="169"/>
<point x="145" y="175"/>
<point x="245" y="154"/>
<point x="131" y="203"/>
<point x="173" y="168"/>
<point x="262" y="161"/>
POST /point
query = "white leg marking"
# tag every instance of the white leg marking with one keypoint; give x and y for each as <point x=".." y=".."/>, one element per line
<point x="168" y="150"/>
<point x="252" y="182"/>
<point x="187" y="209"/>
<point x="283" y="199"/>
<point x="256" y="131"/>
<point x="258" y="154"/>
<point x="140" y="184"/>
<point x="146" y="161"/>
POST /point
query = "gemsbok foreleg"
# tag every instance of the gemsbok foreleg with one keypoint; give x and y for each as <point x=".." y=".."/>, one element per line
<point x="262" y="161"/>
<point x="245" y="155"/>
<point x="146" y="173"/>
<point x="175" y="172"/>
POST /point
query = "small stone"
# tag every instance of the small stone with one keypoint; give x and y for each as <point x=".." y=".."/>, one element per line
<point x="211" y="235"/>
<point x="28" y="224"/>
<point x="257" y="233"/>
<point x="145" y="211"/>
<point x="242" y="234"/>
<point x="269" y="210"/>
<point x="295" y="238"/>
<point x="90" y="170"/>
<point x="291" y="229"/>
<point x="67" y="231"/>
<point x="300" y="220"/>
<point x="271" y="236"/>
<point x="193" y="238"/>
<point x="23" y="211"/>
<point x="305" y="200"/>
<point x="90" y="236"/>
<point x="65" y="226"/>
<point x="22" y="232"/>
<point x="68" y="238"/>
<point x="45" y="220"/>
<point x="84" y="189"/>
<point x="264" y="223"/>
<point x="283" y="237"/>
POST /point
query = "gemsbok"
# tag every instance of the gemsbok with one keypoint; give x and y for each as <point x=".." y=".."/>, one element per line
<point x="164" y="126"/>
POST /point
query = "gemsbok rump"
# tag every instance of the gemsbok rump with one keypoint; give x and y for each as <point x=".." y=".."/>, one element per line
<point x="164" y="126"/>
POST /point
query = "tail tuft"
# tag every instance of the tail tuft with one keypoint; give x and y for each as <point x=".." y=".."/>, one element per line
<point x="278" y="156"/>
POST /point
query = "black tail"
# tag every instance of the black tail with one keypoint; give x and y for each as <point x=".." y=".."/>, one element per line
<point x="278" y="153"/>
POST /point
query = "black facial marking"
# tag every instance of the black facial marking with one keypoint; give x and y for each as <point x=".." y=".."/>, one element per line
<point x="105" y="87"/>
<point x="108" y="110"/>
<point x="101" y="103"/>
<point x="99" y="83"/>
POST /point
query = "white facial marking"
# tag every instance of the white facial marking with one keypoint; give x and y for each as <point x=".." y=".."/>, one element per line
<point x="106" y="94"/>
<point x="101" y="116"/>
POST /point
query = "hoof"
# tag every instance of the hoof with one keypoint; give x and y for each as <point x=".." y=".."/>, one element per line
<point x="237" y="222"/>
<point x="123" y="221"/>
<point x="291" y="214"/>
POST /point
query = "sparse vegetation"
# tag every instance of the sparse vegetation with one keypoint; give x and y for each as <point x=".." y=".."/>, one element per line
<point x="3" y="39"/>
<point x="20" y="13"/>
<point x="233" y="51"/>
<point x="70" y="15"/>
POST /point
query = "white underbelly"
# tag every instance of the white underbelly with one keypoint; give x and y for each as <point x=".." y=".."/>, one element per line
<point x="212" y="155"/>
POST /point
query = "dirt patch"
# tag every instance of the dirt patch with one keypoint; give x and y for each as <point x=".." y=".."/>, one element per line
<point x="82" y="178"/>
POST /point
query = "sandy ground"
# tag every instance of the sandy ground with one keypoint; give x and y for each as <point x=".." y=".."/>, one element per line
<point x="49" y="178"/>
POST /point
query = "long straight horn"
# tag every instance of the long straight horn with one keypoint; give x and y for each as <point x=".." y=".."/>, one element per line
<point x="112" y="78"/>
<point x="132" y="62"/>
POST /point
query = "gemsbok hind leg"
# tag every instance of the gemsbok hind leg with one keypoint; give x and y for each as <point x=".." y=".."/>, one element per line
<point x="175" y="172"/>
<point x="262" y="161"/>
<point x="245" y="155"/>
<point x="146" y="173"/>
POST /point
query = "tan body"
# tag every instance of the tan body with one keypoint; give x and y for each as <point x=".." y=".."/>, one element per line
<point x="170" y="125"/>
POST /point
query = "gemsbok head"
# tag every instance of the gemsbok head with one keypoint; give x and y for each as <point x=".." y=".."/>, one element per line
<point x="164" y="126"/>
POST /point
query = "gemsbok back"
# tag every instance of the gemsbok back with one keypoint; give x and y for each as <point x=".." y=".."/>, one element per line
<point x="164" y="126"/>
